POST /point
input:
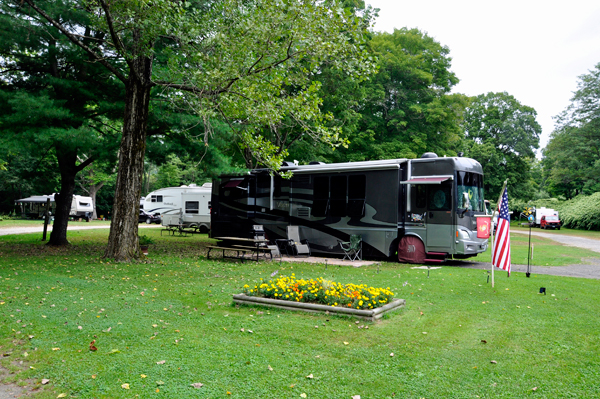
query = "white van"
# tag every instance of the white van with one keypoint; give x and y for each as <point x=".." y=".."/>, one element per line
<point x="186" y="206"/>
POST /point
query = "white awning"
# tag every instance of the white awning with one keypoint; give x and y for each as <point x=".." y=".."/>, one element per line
<point x="427" y="180"/>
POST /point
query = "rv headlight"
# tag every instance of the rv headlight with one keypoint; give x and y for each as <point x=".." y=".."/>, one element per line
<point x="463" y="234"/>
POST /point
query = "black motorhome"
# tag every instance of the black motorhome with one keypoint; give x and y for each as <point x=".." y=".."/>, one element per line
<point x="417" y="209"/>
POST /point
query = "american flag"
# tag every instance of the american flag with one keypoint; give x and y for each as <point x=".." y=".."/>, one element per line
<point x="501" y="246"/>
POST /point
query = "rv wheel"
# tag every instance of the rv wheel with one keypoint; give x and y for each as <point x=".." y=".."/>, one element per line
<point x="203" y="229"/>
<point x="148" y="220"/>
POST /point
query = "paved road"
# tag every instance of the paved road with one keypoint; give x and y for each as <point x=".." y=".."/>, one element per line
<point x="580" y="242"/>
<point x="39" y="229"/>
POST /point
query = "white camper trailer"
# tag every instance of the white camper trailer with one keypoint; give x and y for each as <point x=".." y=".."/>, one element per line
<point x="34" y="207"/>
<point x="185" y="206"/>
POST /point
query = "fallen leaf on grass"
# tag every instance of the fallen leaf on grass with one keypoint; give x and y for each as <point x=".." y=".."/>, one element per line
<point x="270" y="368"/>
<point x="93" y="376"/>
<point x="356" y="397"/>
<point x="92" y="347"/>
<point x="45" y="381"/>
<point x="494" y="362"/>
<point x="55" y="349"/>
<point x="197" y="385"/>
<point x="143" y="375"/>
<point x="125" y="386"/>
<point x="345" y="343"/>
<point x="161" y="362"/>
<point x="159" y="383"/>
<point x="62" y="395"/>
<point x="483" y="341"/>
<point x="392" y="354"/>
<point x="114" y="351"/>
<point x="309" y="376"/>
<point x="303" y="395"/>
<point x="534" y="389"/>
<point x="107" y="330"/>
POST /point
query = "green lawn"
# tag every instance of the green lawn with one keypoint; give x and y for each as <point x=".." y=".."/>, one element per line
<point x="545" y="252"/>
<point x="162" y="325"/>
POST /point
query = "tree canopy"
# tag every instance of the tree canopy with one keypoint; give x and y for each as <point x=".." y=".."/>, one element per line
<point x="248" y="63"/>
<point x="572" y="157"/>
<point x="502" y="134"/>
<point x="407" y="107"/>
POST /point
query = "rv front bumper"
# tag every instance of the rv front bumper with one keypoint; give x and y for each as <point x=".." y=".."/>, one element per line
<point x="471" y="246"/>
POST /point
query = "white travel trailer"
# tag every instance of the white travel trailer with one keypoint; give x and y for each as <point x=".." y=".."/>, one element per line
<point x="34" y="207"/>
<point x="185" y="206"/>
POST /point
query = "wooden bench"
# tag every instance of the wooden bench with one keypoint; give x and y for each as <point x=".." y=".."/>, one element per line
<point x="238" y="250"/>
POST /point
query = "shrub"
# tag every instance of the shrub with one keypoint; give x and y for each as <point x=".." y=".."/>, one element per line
<point x="582" y="212"/>
<point x="145" y="240"/>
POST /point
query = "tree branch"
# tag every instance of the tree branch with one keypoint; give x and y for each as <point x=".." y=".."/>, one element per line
<point x="85" y="163"/>
<point x="76" y="41"/>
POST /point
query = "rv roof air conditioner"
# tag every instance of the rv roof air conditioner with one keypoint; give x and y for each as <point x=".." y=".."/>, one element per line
<point x="287" y="163"/>
<point x="429" y="155"/>
<point x="316" y="163"/>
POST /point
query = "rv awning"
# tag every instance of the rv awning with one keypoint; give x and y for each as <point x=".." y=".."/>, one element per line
<point x="233" y="183"/>
<point x="36" y="199"/>
<point x="427" y="180"/>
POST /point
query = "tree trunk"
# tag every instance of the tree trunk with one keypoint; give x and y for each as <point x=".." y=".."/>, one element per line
<point x="67" y="159"/>
<point x="123" y="240"/>
<point x="93" y="190"/>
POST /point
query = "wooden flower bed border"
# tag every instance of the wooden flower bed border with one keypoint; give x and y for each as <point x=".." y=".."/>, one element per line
<point x="370" y="314"/>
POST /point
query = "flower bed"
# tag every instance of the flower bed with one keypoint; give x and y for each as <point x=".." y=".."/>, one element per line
<point x="321" y="291"/>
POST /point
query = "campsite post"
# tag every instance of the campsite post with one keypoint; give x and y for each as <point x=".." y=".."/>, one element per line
<point x="46" y="217"/>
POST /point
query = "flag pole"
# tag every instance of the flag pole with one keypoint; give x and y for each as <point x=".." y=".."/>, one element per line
<point x="496" y="210"/>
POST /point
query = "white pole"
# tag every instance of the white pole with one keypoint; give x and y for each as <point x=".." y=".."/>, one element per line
<point x="492" y="262"/>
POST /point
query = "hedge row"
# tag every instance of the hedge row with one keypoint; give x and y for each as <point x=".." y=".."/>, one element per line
<point x="581" y="212"/>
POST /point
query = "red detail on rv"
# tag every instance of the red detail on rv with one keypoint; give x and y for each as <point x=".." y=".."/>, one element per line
<point x="483" y="227"/>
<point x="233" y="183"/>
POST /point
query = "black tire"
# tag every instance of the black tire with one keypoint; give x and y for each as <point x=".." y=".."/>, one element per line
<point x="558" y="228"/>
<point x="148" y="221"/>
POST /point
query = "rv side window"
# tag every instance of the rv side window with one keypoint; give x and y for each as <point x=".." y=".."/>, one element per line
<point x="320" y="196"/>
<point x="357" y="189"/>
<point x="338" y="195"/>
<point x="440" y="197"/>
<point x="192" y="206"/>
<point x="84" y="204"/>
<point x="156" y="198"/>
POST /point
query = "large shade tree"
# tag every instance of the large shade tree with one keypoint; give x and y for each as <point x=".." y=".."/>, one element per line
<point x="54" y="102"/>
<point x="502" y="134"/>
<point x="228" y="58"/>
<point x="572" y="156"/>
<point x="408" y="108"/>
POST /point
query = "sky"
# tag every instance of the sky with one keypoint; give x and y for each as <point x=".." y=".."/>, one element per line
<point x="534" y="50"/>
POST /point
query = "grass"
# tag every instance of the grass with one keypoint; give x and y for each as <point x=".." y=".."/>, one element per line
<point x="176" y="307"/>
<point x="545" y="252"/>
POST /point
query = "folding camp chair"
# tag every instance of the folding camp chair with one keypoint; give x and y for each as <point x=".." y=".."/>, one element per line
<point x="298" y="247"/>
<point x="353" y="248"/>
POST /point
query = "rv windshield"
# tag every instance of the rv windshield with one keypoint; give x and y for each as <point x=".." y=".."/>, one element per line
<point x="469" y="188"/>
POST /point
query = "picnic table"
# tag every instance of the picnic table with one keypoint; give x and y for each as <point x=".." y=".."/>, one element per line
<point x="173" y="229"/>
<point x="242" y="246"/>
